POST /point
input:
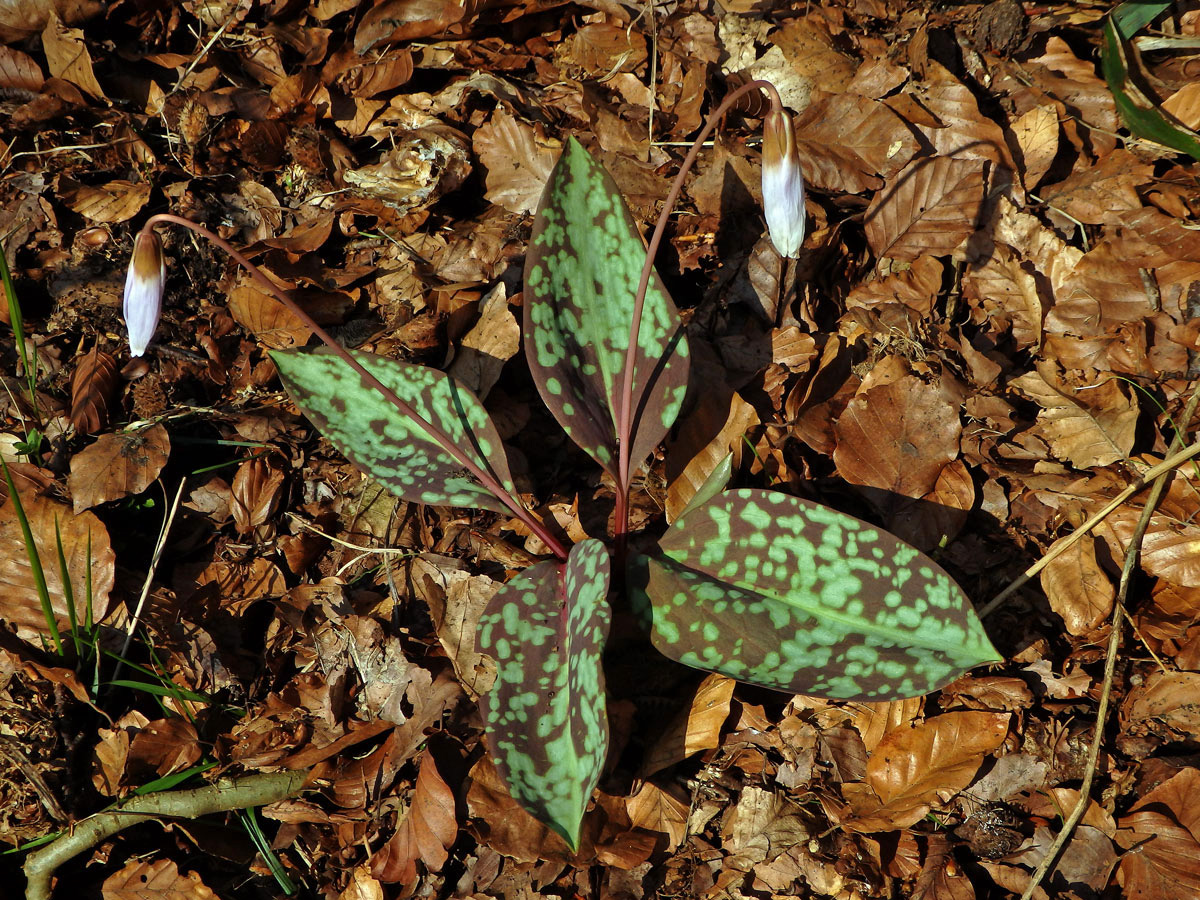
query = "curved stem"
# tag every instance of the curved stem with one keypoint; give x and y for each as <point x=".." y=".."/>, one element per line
<point x="625" y="416"/>
<point x="485" y="478"/>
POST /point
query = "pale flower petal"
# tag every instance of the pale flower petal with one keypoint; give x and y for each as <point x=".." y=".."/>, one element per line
<point x="782" y="184"/>
<point x="144" y="291"/>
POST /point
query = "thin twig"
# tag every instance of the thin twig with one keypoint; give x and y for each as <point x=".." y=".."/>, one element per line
<point x="149" y="579"/>
<point x="1169" y="464"/>
<point x="1110" y="666"/>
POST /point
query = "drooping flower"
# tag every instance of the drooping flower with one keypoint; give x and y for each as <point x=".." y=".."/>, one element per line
<point x="144" y="290"/>
<point x="782" y="184"/>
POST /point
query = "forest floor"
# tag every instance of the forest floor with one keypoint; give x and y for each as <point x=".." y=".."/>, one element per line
<point x="992" y="330"/>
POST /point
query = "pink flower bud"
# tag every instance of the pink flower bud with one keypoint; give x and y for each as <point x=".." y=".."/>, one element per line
<point x="144" y="290"/>
<point x="782" y="184"/>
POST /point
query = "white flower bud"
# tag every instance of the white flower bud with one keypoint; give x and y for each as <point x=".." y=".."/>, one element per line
<point x="144" y="290"/>
<point x="782" y="184"/>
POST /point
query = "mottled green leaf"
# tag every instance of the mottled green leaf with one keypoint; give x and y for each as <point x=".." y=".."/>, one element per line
<point x="546" y="717"/>
<point x="397" y="451"/>
<point x="582" y="270"/>
<point x="788" y="594"/>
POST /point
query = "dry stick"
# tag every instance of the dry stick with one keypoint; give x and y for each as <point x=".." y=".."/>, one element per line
<point x="154" y="559"/>
<point x="226" y="794"/>
<point x="625" y="411"/>
<point x="486" y="479"/>
<point x="1167" y="465"/>
<point x="1110" y="666"/>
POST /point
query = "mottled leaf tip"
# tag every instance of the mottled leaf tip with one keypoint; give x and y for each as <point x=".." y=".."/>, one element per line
<point x="394" y="449"/>
<point x="582" y="271"/>
<point x="787" y="594"/>
<point x="547" y="722"/>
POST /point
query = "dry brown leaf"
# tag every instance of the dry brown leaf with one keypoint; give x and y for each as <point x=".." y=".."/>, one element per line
<point x="660" y="810"/>
<point x="88" y="552"/>
<point x="92" y="388"/>
<point x="160" y="879"/>
<point x="492" y="341"/>
<point x="761" y="826"/>
<point x="1006" y="290"/>
<point x="162" y="747"/>
<point x="703" y="461"/>
<point x="897" y="436"/>
<point x="694" y="729"/>
<point x="1036" y="132"/>
<point x="116" y="201"/>
<point x="1170" y="549"/>
<point x="1088" y="436"/>
<point x="456" y="600"/>
<point x="1165" y="704"/>
<point x="405" y="20"/>
<point x="1077" y="587"/>
<point x="1161" y="835"/>
<point x="240" y="584"/>
<point x="917" y="287"/>
<point x="1098" y="193"/>
<point x="118" y="465"/>
<point x="256" y="493"/>
<point x="518" y="159"/>
<point x="67" y="56"/>
<point x="911" y="767"/>
<point x="19" y="72"/>
<point x="850" y="143"/>
<point x="935" y="881"/>
<point x="269" y="320"/>
<point x="930" y="207"/>
<point x="425" y="833"/>
<point x="362" y="886"/>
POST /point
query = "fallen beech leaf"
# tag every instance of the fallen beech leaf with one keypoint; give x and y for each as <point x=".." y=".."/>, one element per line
<point x="1077" y="588"/>
<point x="762" y="825"/>
<point x="67" y="56"/>
<point x="141" y="880"/>
<point x="1170" y="549"/>
<point x="658" y="809"/>
<point x="1091" y="436"/>
<point x="18" y="71"/>
<point x="88" y="552"/>
<point x="1036" y="132"/>
<point x="518" y="159"/>
<point x="694" y="729"/>
<point x="92" y="388"/>
<point x="929" y="207"/>
<point x="911" y="767"/>
<point x="1005" y="287"/>
<point x="118" y="465"/>
<point x="164" y="746"/>
<point x="116" y="201"/>
<point x="1161" y="835"/>
<point x="426" y="832"/>
<point x="1164" y="704"/>
<point x="256" y="493"/>
<point x="405" y="20"/>
<point x="897" y="436"/>
<point x="1096" y="194"/>
<point x="491" y="342"/>
<point x="456" y="600"/>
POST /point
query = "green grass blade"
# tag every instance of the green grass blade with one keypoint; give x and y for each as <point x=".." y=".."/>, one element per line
<point x="18" y="326"/>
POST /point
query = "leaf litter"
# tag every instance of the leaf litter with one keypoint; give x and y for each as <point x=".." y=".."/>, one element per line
<point x="992" y="333"/>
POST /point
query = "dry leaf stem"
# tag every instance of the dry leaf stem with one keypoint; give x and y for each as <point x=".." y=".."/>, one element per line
<point x="226" y="794"/>
<point x="1151" y="475"/>
<point x="1110" y="666"/>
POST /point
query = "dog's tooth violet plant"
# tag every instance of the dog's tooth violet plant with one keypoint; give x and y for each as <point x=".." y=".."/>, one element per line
<point x="755" y="584"/>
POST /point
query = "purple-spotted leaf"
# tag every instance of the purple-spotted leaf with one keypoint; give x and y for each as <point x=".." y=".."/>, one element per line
<point x="791" y="595"/>
<point x="397" y="451"/>
<point x="546" y="717"/>
<point x="582" y="270"/>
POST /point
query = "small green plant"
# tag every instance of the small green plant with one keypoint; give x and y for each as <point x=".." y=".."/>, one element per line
<point x="758" y="585"/>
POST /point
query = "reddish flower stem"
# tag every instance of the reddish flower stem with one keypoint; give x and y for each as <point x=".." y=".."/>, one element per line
<point x="486" y="479"/>
<point x="625" y="415"/>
